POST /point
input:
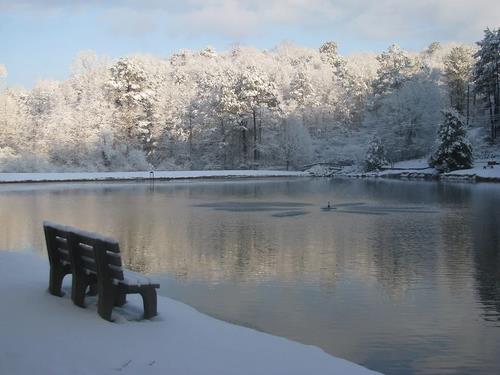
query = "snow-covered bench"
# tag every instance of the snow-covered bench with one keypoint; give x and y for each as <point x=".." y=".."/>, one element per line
<point x="95" y="260"/>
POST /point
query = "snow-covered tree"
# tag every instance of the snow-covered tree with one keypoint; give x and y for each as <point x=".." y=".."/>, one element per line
<point x="375" y="155"/>
<point x="486" y="76"/>
<point x="458" y="68"/>
<point x="406" y="118"/>
<point x="330" y="56"/>
<point x="15" y="137"/>
<point x="396" y="67"/>
<point x="302" y="96"/>
<point x="433" y="48"/>
<point x="254" y="91"/>
<point x="207" y="109"/>
<point x="454" y="150"/>
<point x="296" y="143"/>
<point x="131" y="92"/>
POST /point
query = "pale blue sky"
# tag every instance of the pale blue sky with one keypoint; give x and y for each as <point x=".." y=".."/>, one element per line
<point x="39" y="39"/>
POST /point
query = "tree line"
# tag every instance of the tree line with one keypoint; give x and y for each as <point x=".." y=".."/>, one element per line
<point x="250" y="108"/>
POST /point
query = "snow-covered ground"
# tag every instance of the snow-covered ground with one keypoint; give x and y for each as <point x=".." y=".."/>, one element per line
<point x="412" y="164"/>
<point x="418" y="169"/>
<point x="43" y="334"/>
<point x="480" y="172"/>
<point x="106" y="176"/>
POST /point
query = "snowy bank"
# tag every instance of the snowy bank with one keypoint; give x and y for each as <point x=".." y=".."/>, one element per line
<point x="410" y="169"/>
<point x="416" y="169"/>
<point x="481" y="172"/>
<point x="43" y="334"/>
<point x="158" y="175"/>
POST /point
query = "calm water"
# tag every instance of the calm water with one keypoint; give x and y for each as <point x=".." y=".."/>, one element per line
<point x="402" y="277"/>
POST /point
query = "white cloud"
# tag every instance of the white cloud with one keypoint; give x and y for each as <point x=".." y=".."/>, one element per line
<point x="382" y="19"/>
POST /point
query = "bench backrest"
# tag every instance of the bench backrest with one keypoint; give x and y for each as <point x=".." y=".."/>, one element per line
<point x="86" y="251"/>
<point x="56" y="238"/>
<point x="97" y="254"/>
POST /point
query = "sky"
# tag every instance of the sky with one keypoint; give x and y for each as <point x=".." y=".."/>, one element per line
<point x="40" y="39"/>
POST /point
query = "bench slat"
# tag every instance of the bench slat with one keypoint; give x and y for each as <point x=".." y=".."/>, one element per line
<point x="114" y="259"/>
<point x="89" y="264"/>
<point x="64" y="255"/>
<point x="86" y="250"/>
<point x="61" y="242"/>
<point x="115" y="272"/>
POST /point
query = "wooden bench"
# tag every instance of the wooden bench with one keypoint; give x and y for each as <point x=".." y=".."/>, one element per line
<point x="96" y="261"/>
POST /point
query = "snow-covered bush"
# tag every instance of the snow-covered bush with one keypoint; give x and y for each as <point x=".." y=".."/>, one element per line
<point x="375" y="155"/>
<point x="12" y="162"/>
<point x="454" y="150"/>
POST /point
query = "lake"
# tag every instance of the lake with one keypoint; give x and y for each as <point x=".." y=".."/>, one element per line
<point x="401" y="277"/>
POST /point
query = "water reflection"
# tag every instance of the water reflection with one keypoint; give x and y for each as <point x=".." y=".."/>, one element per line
<point x="486" y="238"/>
<point x="401" y="276"/>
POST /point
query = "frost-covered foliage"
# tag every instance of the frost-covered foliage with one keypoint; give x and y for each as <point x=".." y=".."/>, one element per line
<point x="486" y="77"/>
<point x="405" y="119"/>
<point x="405" y="104"/>
<point x="454" y="150"/>
<point x="296" y="143"/>
<point x="396" y="67"/>
<point x="241" y="108"/>
<point x="375" y="155"/>
<point x="458" y="68"/>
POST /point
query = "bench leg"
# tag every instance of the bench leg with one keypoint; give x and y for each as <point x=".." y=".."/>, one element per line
<point x="55" y="281"/>
<point x="105" y="303"/>
<point x="120" y="299"/>
<point x="78" y="288"/>
<point x="149" y="301"/>
<point x="92" y="289"/>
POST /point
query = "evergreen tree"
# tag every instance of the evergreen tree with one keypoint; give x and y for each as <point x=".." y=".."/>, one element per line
<point x="329" y="56"/>
<point x="458" y="66"/>
<point x="454" y="150"/>
<point x="375" y="155"/>
<point x="255" y="90"/>
<point x="487" y="76"/>
<point x="433" y="48"/>
<point x="130" y="90"/>
<point x="396" y="67"/>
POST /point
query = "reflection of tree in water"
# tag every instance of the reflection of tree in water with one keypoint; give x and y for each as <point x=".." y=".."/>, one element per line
<point x="455" y="242"/>
<point x="487" y="252"/>
<point x="399" y="258"/>
<point x="454" y="234"/>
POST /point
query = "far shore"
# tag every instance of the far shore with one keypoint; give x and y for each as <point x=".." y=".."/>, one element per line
<point x="142" y="175"/>
<point x="418" y="169"/>
<point x="406" y="170"/>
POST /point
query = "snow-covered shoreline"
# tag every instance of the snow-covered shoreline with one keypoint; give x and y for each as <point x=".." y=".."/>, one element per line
<point x="44" y="334"/>
<point x="144" y="175"/>
<point x="410" y="169"/>
<point x="419" y="170"/>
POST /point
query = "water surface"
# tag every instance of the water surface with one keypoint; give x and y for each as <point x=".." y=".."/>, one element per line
<point x="402" y="277"/>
